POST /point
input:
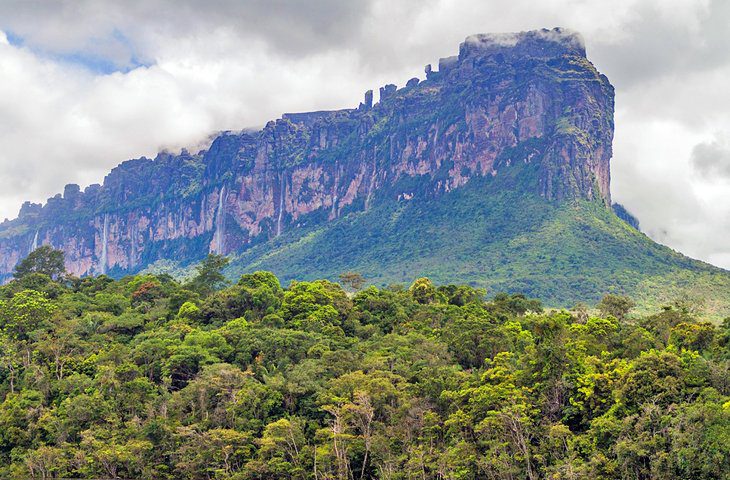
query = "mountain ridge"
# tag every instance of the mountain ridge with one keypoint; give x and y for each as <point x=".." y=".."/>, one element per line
<point x="451" y="126"/>
<point x="527" y="110"/>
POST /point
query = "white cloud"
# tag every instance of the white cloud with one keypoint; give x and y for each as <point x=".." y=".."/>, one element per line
<point x="186" y="69"/>
<point x="711" y="160"/>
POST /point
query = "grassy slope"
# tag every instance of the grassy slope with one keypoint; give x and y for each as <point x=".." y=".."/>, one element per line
<point x="488" y="236"/>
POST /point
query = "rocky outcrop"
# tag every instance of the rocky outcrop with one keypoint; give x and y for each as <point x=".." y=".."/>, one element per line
<point x="531" y="98"/>
<point x="626" y="216"/>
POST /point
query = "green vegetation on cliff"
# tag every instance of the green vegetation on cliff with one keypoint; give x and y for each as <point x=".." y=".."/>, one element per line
<point x="144" y="377"/>
<point x="491" y="234"/>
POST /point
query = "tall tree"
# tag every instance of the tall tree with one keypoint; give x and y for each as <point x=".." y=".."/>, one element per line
<point x="209" y="277"/>
<point x="44" y="259"/>
<point x="352" y="280"/>
<point x="616" y="305"/>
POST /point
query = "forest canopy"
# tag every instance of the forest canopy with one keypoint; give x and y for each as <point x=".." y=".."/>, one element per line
<point x="148" y="377"/>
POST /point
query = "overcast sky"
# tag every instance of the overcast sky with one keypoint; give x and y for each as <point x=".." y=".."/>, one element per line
<point x="87" y="84"/>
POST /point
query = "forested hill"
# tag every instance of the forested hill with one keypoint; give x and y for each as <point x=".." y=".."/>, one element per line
<point x="144" y="377"/>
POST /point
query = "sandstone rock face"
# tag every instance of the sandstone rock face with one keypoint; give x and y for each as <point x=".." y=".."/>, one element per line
<point x="531" y="97"/>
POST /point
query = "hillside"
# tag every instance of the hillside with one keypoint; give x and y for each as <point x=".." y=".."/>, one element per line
<point x="561" y="252"/>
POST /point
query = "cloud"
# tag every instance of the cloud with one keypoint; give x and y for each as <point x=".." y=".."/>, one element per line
<point x="138" y="28"/>
<point x="711" y="159"/>
<point x="673" y="205"/>
<point x="89" y="83"/>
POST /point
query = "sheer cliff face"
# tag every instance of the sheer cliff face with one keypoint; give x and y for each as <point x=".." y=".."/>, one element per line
<point x="530" y="98"/>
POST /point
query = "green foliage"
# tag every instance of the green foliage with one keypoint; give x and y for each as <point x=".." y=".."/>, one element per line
<point x="143" y="378"/>
<point x="25" y="313"/>
<point x="353" y="280"/>
<point x="616" y="305"/>
<point x="44" y="260"/>
<point x="492" y="234"/>
<point x="423" y="291"/>
<point x="209" y="276"/>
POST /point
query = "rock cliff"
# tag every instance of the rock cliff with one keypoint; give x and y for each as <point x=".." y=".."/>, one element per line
<point x="531" y="98"/>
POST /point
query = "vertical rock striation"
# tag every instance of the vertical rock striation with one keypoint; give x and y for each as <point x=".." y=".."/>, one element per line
<point x="531" y="98"/>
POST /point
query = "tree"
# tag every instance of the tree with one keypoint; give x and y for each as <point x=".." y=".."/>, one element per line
<point x="423" y="291"/>
<point x="113" y="457"/>
<point x="45" y="462"/>
<point x="209" y="277"/>
<point x="282" y="450"/>
<point x="472" y="339"/>
<point x="9" y="359"/>
<point x="26" y="312"/>
<point x="210" y="398"/>
<point x="695" y="336"/>
<point x="309" y="303"/>
<point x="142" y="378"/>
<point x="261" y="279"/>
<point x="45" y="260"/>
<point x="516" y="304"/>
<point x="216" y="453"/>
<point x="461" y="295"/>
<point x="58" y="347"/>
<point x="353" y="280"/>
<point x="656" y="377"/>
<point x="616" y="305"/>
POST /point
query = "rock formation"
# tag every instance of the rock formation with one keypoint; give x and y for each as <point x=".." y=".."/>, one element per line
<point x="530" y="97"/>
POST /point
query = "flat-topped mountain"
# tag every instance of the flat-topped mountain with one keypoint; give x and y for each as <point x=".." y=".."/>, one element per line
<point x="494" y="170"/>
